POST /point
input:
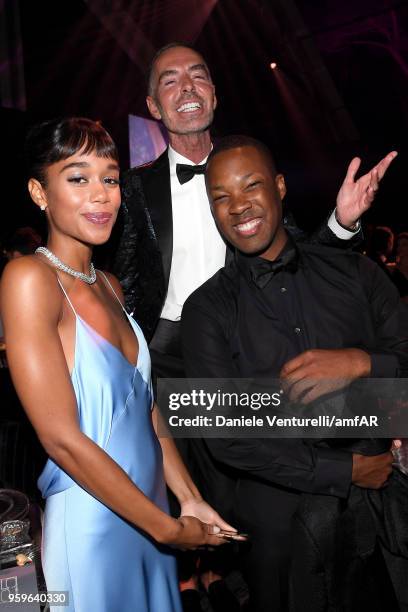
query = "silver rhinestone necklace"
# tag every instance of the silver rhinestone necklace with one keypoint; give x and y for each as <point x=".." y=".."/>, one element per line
<point x="90" y="279"/>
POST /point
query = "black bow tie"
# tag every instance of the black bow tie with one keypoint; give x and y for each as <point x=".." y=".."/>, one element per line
<point x="185" y="172"/>
<point x="263" y="271"/>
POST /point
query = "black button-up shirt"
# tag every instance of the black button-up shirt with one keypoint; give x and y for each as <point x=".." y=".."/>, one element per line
<point x="233" y="327"/>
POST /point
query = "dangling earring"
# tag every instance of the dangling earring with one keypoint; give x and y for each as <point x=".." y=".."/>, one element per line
<point x="43" y="207"/>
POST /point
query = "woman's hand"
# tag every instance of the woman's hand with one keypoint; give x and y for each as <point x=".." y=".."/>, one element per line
<point x="203" y="511"/>
<point x="189" y="533"/>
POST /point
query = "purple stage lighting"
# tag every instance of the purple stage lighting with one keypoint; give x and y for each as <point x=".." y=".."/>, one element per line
<point x="146" y="140"/>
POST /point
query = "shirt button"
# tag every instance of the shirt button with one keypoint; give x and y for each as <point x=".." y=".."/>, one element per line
<point x="297" y="330"/>
<point x="283" y="289"/>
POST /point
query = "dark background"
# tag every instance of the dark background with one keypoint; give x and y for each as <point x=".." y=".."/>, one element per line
<point x="340" y="88"/>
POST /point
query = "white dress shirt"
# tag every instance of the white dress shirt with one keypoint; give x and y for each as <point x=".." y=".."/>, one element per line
<point x="198" y="249"/>
<point x="339" y="230"/>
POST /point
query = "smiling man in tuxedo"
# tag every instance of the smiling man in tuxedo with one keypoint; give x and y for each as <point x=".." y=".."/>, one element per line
<point x="170" y="244"/>
<point x="294" y="311"/>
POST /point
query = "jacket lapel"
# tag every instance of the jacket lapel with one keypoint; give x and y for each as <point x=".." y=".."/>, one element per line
<point x="157" y="190"/>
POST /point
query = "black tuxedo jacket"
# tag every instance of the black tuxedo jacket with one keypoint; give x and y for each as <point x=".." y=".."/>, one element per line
<point x="143" y="258"/>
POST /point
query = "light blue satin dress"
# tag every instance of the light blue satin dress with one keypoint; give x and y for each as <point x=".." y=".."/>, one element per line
<point x="105" y="563"/>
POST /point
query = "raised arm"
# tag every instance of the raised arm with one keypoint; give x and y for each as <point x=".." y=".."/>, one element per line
<point x="356" y="196"/>
<point x="31" y="305"/>
<point x="342" y="230"/>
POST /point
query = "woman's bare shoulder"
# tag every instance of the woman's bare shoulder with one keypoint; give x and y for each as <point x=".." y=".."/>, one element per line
<point x="29" y="268"/>
<point x="32" y="282"/>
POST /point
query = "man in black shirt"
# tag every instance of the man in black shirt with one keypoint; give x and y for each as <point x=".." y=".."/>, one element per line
<point x="294" y="311"/>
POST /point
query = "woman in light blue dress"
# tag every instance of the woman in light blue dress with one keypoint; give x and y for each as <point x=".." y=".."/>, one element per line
<point x="81" y="367"/>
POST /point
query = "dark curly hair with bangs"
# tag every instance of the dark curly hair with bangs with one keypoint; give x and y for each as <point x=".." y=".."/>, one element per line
<point x="51" y="141"/>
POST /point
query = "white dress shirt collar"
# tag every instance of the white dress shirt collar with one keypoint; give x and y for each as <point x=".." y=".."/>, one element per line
<point x="177" y="158"/>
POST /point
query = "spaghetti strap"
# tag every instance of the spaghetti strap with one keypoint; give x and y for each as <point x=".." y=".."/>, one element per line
<point x="66" y="295"/>
<point x="113" y="291"/>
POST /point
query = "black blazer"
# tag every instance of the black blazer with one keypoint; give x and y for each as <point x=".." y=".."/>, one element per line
<point x="143" y="257"/>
